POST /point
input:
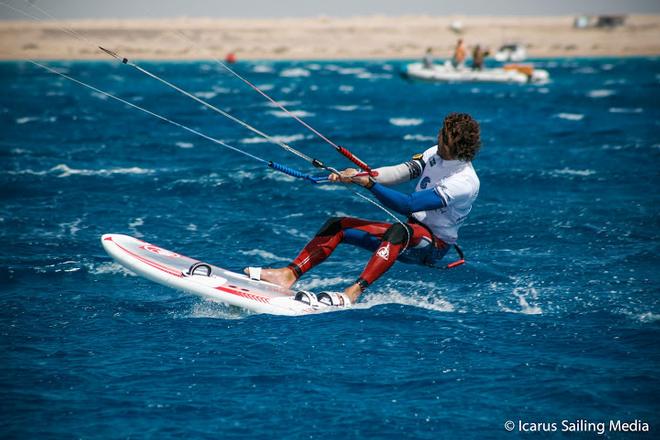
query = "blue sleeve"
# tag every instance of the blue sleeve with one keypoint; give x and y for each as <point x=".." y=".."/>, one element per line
<point x="406" y="204"/>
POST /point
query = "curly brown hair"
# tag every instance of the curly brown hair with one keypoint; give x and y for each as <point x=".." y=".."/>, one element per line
<point x="463" y="133"/>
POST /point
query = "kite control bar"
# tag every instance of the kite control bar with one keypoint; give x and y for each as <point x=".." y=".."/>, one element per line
<point x="357" y="161"/>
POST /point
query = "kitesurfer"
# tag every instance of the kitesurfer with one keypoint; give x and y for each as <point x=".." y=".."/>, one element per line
<point x="446" y="188"/>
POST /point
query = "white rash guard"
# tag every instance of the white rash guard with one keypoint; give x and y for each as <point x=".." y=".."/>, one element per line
<point x="454" y="181"/>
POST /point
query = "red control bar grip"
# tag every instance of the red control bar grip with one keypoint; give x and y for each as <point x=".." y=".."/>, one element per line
<point x="350" y="156"/>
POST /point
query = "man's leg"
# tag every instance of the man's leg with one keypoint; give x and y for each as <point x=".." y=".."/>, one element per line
<point x="321" y="246"/>
<point x="395" y="240"/>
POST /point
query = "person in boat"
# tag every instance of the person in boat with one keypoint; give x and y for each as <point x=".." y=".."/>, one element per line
<point x="427" y="61"/>
<point x="460" y="53"/>
<point x="478" y="57"/>
<point x="447" y="186"/>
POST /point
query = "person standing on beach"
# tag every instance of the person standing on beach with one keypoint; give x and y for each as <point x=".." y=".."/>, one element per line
<point x="446" y="189"/>
<point x="458" y="60"/>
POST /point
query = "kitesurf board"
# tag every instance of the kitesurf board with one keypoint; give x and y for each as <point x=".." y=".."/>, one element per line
<point x="173" y="270"/>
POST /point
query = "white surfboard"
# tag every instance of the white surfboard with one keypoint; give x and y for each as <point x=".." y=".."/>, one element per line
<point x="174" y="270"/>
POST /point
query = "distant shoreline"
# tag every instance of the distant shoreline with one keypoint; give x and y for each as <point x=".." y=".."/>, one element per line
<point x="438" y="60"/>
<point x="319" y="39"/>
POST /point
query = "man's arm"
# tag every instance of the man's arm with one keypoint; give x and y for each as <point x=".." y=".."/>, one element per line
<point x="406" y="204"/>
<point x="395" y="174"/>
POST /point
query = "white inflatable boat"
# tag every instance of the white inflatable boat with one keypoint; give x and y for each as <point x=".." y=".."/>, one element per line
<point x="511" y="73"/>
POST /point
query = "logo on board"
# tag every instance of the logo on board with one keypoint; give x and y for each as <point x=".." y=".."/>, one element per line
<point x="156" y="250"/>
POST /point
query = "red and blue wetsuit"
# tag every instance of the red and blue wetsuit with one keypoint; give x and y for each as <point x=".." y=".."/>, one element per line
<point x="444" y="195"/>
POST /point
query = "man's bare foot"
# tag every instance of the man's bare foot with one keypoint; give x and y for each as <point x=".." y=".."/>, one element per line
<point x="353" y="292"/>
<point x="282" y="277"/>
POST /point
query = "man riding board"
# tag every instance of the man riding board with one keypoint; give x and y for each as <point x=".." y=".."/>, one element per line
<point x="446" y="189"/>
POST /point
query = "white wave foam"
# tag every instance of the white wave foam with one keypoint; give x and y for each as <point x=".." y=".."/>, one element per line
<point x="262" y="68"/>
<point x="284" y="139"/>
<point x="346" y="89"/>
<point x="648" y="317"/>
<point x="206" y="181"/>
<point x="282" y="103"/>
<point x="134" y="224"/>
<point x="206" y="95"/>
<point x="570" y="116"/>
<point x="66" y="171"/>
<point x="280" y="177"/>
<point x="418" y="137"/>
<point x="298" y="113"/>
<point x="329" y="187"/>
<point x="600" y="93"/>
<point x="100" y="96"/>
<point x="429" y="302"/>
<point x="351" y="70"/>
<point x="31" y="119"/>
<point x="618" y="81"/>
<point x="184" y="144"/>
<point x="26" y="171"/>
<point x="26" y="119"/>
<point x="625" y="110"/>
<point x="111" y="269"/>
<point x="215" y="310"/>
<point x="295" y="72"/>
<point x="345" y="108"/>
<point x="322" y="283"/>
<point x="524" y="295"/>
<point x="291" y="232"/>
<point x="369" y="75"/>
<point x="405" y="122"/>
<point x="221" y="90"/>
<point x="585" y="70"/>
<point x="72" y="227"/>
<point x="243" y="175"/>
<point x="61" y="266"/>
<point x="266" y="87"/>
<point x="263" y="254"/>
<point x="572" y="172"/>
<point x="191" y="227"/>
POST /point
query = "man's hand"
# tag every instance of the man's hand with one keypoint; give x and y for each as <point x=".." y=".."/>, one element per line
<point x="349" y="176"/>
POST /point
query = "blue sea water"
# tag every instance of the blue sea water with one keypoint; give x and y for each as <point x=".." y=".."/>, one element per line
<point x="556" y="315"/>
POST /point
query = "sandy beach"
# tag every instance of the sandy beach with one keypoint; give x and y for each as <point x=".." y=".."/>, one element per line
<point x="322" y="38"/>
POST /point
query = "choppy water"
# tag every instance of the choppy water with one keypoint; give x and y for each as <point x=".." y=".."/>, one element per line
<point x="556" y="315"/>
